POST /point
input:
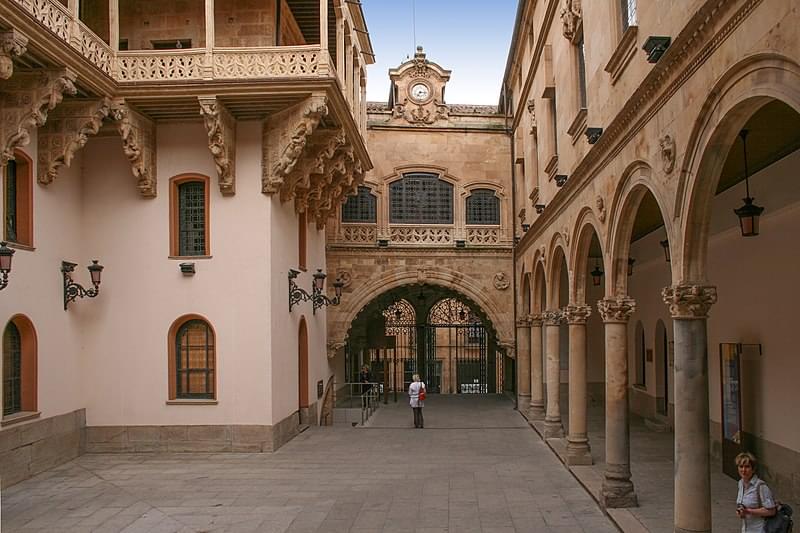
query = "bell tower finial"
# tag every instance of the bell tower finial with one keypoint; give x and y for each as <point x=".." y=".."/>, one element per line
<point x="419" y="54"/>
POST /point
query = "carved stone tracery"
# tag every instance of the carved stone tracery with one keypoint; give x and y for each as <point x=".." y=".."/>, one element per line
<point x="12" y="44"/>
<point x="138" y="134"/>
<point x="25" y="102"/>
<point x="689" y="301"/>
<point x="221" y="129"/>
<point x="67" y="131"/>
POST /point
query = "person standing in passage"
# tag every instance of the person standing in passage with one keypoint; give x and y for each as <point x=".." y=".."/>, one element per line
<point x="363" y="378"/>
<point x="417" y="404"/>
<point x="754" y="501"/>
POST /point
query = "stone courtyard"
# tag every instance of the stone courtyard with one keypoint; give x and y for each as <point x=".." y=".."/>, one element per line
<point x="476" y="467"/>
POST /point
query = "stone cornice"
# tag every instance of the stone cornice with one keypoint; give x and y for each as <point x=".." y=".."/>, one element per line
<point x="689" y="302"/>
<point x="688" y="52"/>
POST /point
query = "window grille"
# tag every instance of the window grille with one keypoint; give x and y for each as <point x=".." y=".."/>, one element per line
<point x="194" y="365"/>
<point x="420" y="199"/>
<point x="191" y="218"/>
<point x="11" y="201"/>
<point x="12" y="370"/>
<point x="483" y="207"/>
<point x="581" y="49"/>
<point x="361" y="207"/>
<point x="628" y="14"/>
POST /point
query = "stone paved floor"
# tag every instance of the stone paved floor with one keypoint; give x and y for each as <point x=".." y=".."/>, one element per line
<point x="476" y="467"/>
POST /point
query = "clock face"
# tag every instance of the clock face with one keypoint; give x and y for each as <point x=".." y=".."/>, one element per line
<point x="419" y="91"/>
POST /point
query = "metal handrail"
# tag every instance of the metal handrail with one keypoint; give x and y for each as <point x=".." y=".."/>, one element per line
<point x="366" y="396"/>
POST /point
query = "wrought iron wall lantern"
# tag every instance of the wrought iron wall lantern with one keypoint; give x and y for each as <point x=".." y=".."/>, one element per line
<point x="665" y="245"/>
<point x="561" y="179"/>
<point x="319" y="299"/>
<point x="296" y="294"/>
<point x="655" y="47"/>
<point x="593" y="134"/>
<point x="597" y="274"/>
<point x="6" y="254"/>
<point x="631" y="261"/>
<point x="749" y="212"/>
<point x="73" y="290"/>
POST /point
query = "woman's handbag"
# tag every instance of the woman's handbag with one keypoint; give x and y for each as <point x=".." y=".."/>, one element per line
<point x="422" y="394"/>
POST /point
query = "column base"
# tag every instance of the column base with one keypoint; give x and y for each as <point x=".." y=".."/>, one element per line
<point x="618" y="491"/>
<point x="553" y="429"/>
<point x="681" y="530"/>
<point x="578" y="452"/>
<point x="536" y="411"/>
<point x="523" y="400"/>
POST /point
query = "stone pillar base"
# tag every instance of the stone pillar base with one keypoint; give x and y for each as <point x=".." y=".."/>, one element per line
<point x="536" y="411"/>
<point x="523" y="401"/>
<point x="681" y="530"/>
<point x="579" y="453"/>
<point x="553" y="429"/>
<point x="617" y="493"/>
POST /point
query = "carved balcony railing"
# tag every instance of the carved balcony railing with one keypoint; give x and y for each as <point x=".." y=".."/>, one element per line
<point x="368" y="234"/>
<point x="179" y="65"/>
<point x="484" y="236"/>
<point x="426" y="235"/>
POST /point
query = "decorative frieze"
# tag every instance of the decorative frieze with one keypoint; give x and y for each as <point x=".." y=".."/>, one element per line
<point x="552" y="317"/>
<point x="689" y="301"/>
<point x="221" y="130"/>
<point x="12" y="44"/>
<point x="67" y="131"/>
<point x="26" y="99"/>
<point x="483" y="236"/>
<point x="138" y="134"/>
<point x="618" y="309"/>
<point x="577" y="314"/>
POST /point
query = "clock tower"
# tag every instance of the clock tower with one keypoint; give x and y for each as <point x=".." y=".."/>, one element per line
<point x="417" y="91"/>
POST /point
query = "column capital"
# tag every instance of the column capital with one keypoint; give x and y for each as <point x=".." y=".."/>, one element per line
<point x="689" y="301"/>
<point x="524" y="321"/>
<point x="618" y="309"/>
<point x="536" y="320"/>
<point x="577" y="314"/>
<point x="552" y="317"/>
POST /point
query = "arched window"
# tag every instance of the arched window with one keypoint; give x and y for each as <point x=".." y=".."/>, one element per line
<point x="483" y="207"/>
<point x="420" y="198"/>
<point x="361" y="207"/>
<point x="18" y="194"/>
<point x="19" y="367"/>
<point x="189" y="220"/>
<point x="192" y="359"/>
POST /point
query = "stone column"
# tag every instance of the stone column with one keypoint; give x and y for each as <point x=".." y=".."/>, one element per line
<point x="552" y="420"/>
<point x="536" y="411"/>
<point x="689" y="305"/>
<point x="617" y="488"/>
<point x="208" y="69"/>
<point x="113" y="24"/>
<point x="578" y="450"/>
<point x="523" y="363"/>
<point x="324" y="60"/>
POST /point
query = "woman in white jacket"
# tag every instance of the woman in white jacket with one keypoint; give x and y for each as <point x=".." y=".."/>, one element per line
<point x="417" y="403"/>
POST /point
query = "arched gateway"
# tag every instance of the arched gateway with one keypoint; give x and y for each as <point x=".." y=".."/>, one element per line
<point x="430" y="330"/>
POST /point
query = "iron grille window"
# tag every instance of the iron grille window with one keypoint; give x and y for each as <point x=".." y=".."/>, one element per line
<point x="194" y="365"/>
<point x="12" y="370"/>
<point x="11" y="201"/>
<point x="628" y="14"/>
<point x="191" y="218"/>
<point x="361" y="207"/>
<point x="420" y="199"/>
<point x="581" y="49"/>
<point x="483" y="207"/>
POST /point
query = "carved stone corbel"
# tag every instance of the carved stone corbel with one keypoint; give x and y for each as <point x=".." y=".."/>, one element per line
<point x="138" y="134"/>
<point x="25" y="101"/>
<point x="311" y="168"/>
<point x="12" y="44"/>
<point x="571" y="17"/>
<point x="333" y="348"/>
<point x="221" y="129"/>
<point x="284" y="138"/>
<point x="67" y="131"/>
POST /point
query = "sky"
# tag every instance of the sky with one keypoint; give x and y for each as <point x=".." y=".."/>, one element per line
<point x="469" y="37"/>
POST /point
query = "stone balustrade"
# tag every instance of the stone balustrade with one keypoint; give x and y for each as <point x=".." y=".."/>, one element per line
<point x="368" y="234"/>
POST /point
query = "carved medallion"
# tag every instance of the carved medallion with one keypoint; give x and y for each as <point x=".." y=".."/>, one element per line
<point x="501" y="282"/>
<point x="345" y="277"/>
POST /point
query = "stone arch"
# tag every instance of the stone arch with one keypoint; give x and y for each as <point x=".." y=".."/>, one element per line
<point x="636" y="182"/>
<point x="526" y="293"/>
<point x="539" y="285"/>
<point x="586" y="225"/>
<point x="739" y="93"/>
<point x="456" y="281"/>
<point x="558" y="256"/>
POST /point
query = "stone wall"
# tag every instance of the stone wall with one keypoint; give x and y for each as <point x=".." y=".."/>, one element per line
<point x="185" y="438"/>
<point x="32" y="447"/>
